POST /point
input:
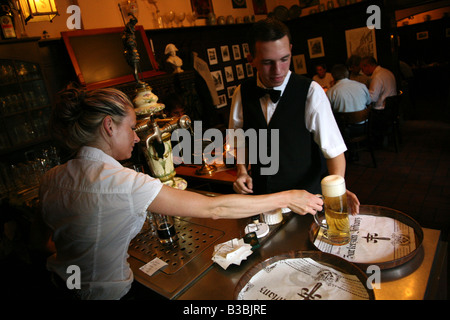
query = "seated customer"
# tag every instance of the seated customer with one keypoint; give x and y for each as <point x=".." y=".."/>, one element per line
<point x="323" y="77"/>
<point x="382" y="82"/>
<point x="347" y="95"/>
<point x="354" y="67"/>
<point x="94" y="206"/>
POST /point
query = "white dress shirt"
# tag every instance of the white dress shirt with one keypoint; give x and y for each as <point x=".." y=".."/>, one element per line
<point x="319" y="118"/>
<point x="382" y="85"/>
<point x="95" y="207"/>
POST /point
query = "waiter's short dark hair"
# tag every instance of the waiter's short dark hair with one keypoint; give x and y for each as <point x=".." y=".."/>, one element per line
<point x="267" y="30"/>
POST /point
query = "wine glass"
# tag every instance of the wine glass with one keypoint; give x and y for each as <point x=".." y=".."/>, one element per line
<point x="171" y="17"/>
<point x="191" y="17"/>
<point x="180" y="18"/>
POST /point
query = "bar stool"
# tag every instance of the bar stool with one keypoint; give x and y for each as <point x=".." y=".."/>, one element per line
<point x="355" y="129"/>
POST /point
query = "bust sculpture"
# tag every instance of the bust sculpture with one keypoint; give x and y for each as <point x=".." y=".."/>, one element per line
<point x="172" y="59"/>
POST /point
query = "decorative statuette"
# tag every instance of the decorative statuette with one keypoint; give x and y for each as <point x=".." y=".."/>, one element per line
<point x="172" y="59"/>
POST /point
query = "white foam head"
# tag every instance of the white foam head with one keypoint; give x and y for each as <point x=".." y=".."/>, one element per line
<point x="333" y="186"/>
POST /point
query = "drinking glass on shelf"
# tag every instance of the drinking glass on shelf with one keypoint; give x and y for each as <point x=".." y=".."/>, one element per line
<point x="171" y="17"/>
<point x="191" y="17"/>
<point x="180" y="18"/>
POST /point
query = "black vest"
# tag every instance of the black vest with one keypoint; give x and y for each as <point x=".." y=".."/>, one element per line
<point x="300" y="160"/>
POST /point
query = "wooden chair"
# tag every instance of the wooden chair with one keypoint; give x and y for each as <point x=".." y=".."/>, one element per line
<point x="355" y="129"/>
<point x="386" y="122"/>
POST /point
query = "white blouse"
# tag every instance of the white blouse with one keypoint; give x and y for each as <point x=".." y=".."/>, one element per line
<point x="95" y="207"/>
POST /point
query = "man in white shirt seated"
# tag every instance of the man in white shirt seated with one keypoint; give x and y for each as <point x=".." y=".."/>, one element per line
<point x="382" y="83"/>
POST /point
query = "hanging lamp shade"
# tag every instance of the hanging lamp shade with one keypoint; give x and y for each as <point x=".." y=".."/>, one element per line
<point x="38" y="10"/>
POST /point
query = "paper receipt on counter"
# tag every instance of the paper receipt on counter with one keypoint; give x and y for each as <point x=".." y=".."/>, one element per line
<point x="154" y="265"/>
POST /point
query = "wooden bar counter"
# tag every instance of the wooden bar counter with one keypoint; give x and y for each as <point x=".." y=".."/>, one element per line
<point x="201" y="279"/>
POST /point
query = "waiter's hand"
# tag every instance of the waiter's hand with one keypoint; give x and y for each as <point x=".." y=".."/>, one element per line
<point x="352" y="202"/>
<point x="243" y="184"/>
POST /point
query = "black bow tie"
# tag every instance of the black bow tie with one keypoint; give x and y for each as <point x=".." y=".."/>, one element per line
<point x="274" y="94"/>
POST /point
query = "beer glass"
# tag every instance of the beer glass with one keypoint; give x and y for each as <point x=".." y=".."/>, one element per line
<point x="336" y="212"/>
<point x="165" y="228"/>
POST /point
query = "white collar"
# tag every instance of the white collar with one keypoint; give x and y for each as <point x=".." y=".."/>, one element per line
<point x="93" y="153"/>
<point x="280" y="87"/>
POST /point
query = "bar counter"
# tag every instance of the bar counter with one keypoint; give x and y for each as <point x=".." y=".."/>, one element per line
<point x="201" y="279"/>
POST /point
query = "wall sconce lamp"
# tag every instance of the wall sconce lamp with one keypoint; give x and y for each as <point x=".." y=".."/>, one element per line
<point x="38" y="10"/>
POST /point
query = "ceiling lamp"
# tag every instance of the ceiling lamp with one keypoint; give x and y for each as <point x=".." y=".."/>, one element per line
<point x="38" y="10"/>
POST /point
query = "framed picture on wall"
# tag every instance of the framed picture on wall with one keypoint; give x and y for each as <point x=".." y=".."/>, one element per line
<point x="218" y="79"/>
<point x="315" y="47"/>
<point x="245" y="50"/>
<point x="299" y="64"/>
<point x="422" y="35"/>
<point x="225" y="53"/>
<point x="361" y="42"/>
<point x="240" y="71"/>
<point x="202" y="7"/>
<point x="230" y="91"/>
<point x="236" y="52"/>
<point x="249" y="69"/>
<point x="239" y="4"/>
<point x="222" y="101"/>
<point x="259" y="6"/>
<point x="212" y="56"/>
<point x="229" y="73"/>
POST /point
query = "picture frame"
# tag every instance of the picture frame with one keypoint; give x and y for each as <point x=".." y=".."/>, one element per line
<point x="236" y="52"/>
<point x="96" y="62"/>
<point x="229" y="77"/>
<point x="361" y="42"/>
<point x="249" y="69"/>
<point x="315" y="47"/>
<point x="212" y="56"/>
<point x="202" y="7"/>
<point x="423" y="35"/>
<point x="259" y="6"/>
<point x="218" y="80"/>
<point x="239" y="4"/>
<point x="245" y="50"/>
<point x="240" y="71"/>
<point x="222" y="101"/>
<point x="299" y="63"/>
<point x="230" y="91"/>
<point x="225" y="53"/>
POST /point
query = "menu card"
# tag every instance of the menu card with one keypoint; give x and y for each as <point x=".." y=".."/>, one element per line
<point x="302" y="279"/>
<point x="374" y="239"/>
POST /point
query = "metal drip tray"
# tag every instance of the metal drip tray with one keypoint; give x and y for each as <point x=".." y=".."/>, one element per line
<point x="192" y="240"/>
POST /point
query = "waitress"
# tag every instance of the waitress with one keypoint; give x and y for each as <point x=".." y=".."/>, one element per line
<point x="94" y="206"/>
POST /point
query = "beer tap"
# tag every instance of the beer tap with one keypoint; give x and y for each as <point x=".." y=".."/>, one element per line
<point x="153" y="126"/>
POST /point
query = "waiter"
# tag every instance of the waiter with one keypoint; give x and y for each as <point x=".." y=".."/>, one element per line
<point x="297" y="107"/>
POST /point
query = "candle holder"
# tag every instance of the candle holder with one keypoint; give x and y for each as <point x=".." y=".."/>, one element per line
<point x="206" y="169"/>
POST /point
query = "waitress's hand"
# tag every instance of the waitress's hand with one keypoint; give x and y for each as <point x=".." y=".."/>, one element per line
<point x="304" y="202"/>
